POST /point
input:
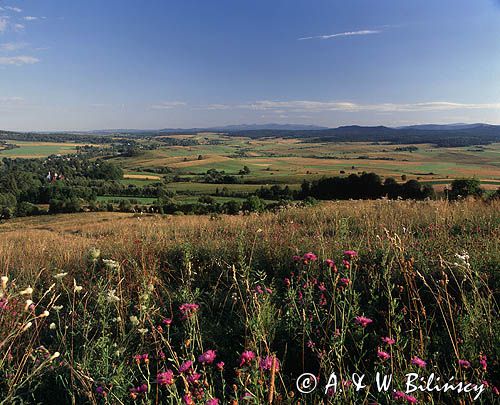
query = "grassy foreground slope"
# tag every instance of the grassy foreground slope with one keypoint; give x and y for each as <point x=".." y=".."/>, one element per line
<point x="426" y="274"/>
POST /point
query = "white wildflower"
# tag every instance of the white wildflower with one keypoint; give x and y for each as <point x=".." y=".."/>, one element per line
<point x="44" y="314"/>
<point x="57" y="307"/>
<point x="112" y="265"/>
<point x="94" y="254"/>
<point x="5" y="280"/>
<point x="112" y="296"/>
<point x="60" y="276"/>
<point x="134" y="320"/>
<point x="77" y="288"/>
<point x="142" y="331"/>
<point x="28" y="304"/>
<point x="52" y="326"/>
<point x="27" y="291"/>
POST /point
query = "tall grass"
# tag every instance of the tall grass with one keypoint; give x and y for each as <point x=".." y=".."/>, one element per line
<point x="152" y="309"/>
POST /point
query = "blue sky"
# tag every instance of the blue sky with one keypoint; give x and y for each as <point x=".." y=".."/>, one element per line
<point x="98" y="64"/>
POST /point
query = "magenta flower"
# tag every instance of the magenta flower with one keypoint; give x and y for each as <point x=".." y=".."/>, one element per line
<point x="411" y="400"/>
<point x="165" y="378"/>
<point x="383" y="355"/>
<point x="388" y="340"/>
<point x="309" y="257"/>
<point x="185" y="366"/>
<point x="208" y="357"/>
<point x="167" y="321"/>
<point x="397" y="395"/>
<point x="296" y="258"/>
<point x="220" y="365"/>
<point x="350" y="253"/>
<point x="345" y="281"/>
<point x="464" y="363"/>
<point x="267" y="363"/>
<point x="246" y="357"/>
<point x="100" y="391"/>
<point x="187" y="399"/>
<point x="193" y="378"/>
<point x="188" y="310"/>
<point x="363" y="321"/>
<point x="418" y="362"/>
<point x="482" y="361"/>
<point x="287" y="281"/>
<point x="330" y="263"/>
<point x="213" y="401"/>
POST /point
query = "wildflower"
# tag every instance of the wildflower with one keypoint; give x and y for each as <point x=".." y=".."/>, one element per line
<point x="330" y="263"/>
<point x="187" y="399"/>
<point x="54" y="356"/>
<point x="418" y="362"/>
<point x="309" y="257"/>
<point x="410" y="399"/>
<point x="208" y="357"/>
<point x="296" y="258"/>
<point x="134" y="320"/>
<point x="322" y="287"/>
<point x="246" y="357"/>
<point x="397" y="395"/>
<point x="188" y="310"/>
<point x="52" y="326"/>
<point x="322" y="300"/>
<point x="111" y="264"/>
<point x="213" y="401"/>
<point x="464" y="363"/>
<point x="287" y="281"/>
<point x="350" y="253"/>
<point x="185" y="366"/>
<point x="165" y="378"/>
<point x="5" y="280"/>
<point x="28" y="305"/>
<point x="363" y="321"/>
<point x="388" y="340"/>
<point x="383" y="355"/>
<point x="57" y="308"/>
<point x="482" y="361"/>
<point x="112" y="298"/>
<point x="259" y="290"/>
<point x="345" y="281"/>
<point x="167" y="321"/>
<point x="60" y="276"/>
<point x="77" y="288"/>
<point x="267" y="363"/>
<point x="27" y="291"/>
<point x="193" y="378"/>
<point x="346" y="263"/>
<point x="100" y="391"/>
<point x="142" y="331"/>
<point x="220" y="365"/>
<point x="44" y="314"/>
<point x="94" y="254"/>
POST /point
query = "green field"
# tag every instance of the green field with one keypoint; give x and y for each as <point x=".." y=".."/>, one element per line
<point x="38" y="149"/>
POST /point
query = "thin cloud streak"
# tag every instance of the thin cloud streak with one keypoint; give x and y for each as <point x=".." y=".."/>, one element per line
<point x="342" y="34"/>
<point x="168" y="105"/>
<point x="18" y="60"/>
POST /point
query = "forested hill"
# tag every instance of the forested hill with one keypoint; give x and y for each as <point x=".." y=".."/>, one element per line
<point x="474" y="135"/>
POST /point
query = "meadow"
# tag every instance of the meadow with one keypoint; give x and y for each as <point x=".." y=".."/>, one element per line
<point x="124" y="308"/>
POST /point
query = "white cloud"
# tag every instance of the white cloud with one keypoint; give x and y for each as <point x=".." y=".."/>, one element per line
<point x="4" y="21"/>
<point x="342" y="34"/>
<point x="11" y="100"/>
<point x="12" y="46"/>
<point x="18" y="60"/>
<point x="15" y="9"/>
<point x="308" y="106"/>
<point x="168" y="105"/>
<point x="30" y="18"/>
<point x="18" y="27"/>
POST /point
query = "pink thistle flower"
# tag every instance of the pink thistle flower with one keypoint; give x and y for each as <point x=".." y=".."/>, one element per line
<point x="193" y="378"/>
<point x="185" y="366"/>
<point x="188" y="310"/>
<point x="167" y="321"/>
<point x="495" y="391"/>
<point x="268" y="290"/>
<point x="208" y="357"/>
<point x="267" y="363"/>
<point x="346" y="263"/>
<point x="322" y="300"/>
<point x="322" y="286"/>
<point x="350" y="253"/>
<point x="363" y="321"/>
<point x="345" y="281"/>
<point x="259" y="290"/>
<point x="397" y="395"/>
<point x="418" y="362"/>
<point x="464" y="363"/>
<point x="296" y="258"/>
<point x="383" y="355"/>
<point x="388" y="340"/>
<point x="309" y="257"/>
<point x="187" y="399"/>
<point x="411" y="400"/>
<point x="220" y="365"/>
<point x="213" y="401"/>
<point x="246" y="357"/>
<point x="165" y="378"/>
<point x="482" y="361"/>
<point x="287" y="281"/>
<point x="330" y="263"/>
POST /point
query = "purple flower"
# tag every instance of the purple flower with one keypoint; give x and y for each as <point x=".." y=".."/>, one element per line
<point x="267" y="363"/>
<point x="185" y="366"/>
<point x="417" y="361"/>
<point x="383" y="355"/>
<point x="350" y="253"/>
<point x="193" y="378"/>
<point x="246" y="357"/>
<point x="208" y="357"/>
<point x="482" y="361"/>
<point x="388" y="340"/>
<point x="464" y="363"/>
<point x="309" y="257"/>
<point x="165" y="378"/>
<point x="213" y="401"/>
<point x="363" y="321"/>
<point x="188" y="310"/>
<point x="220" y="365"/>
